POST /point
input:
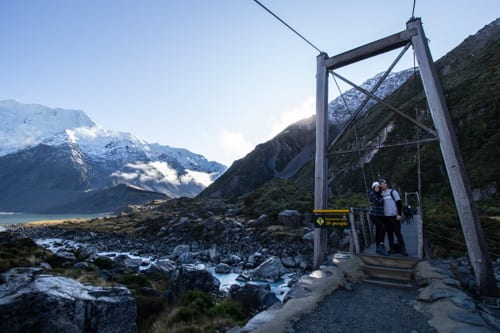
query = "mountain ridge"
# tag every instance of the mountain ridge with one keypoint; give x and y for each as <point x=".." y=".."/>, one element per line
<point x="45" y="150"/>
<point x="288" y="152"/>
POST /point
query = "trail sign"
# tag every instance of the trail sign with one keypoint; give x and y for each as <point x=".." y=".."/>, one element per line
<point x="331" y="218"/>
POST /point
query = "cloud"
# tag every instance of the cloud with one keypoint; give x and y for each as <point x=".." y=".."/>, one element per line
<point x="202" y="178"/>
<point x="234" y="144"/>
<point x="152" y="171"/>
<point x="303" y="110"/>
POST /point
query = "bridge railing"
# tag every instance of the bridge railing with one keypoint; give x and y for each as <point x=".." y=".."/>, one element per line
<point x="362" y="230"/>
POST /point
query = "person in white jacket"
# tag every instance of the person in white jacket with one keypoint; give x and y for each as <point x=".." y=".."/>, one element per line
<point x="393" y="216"/>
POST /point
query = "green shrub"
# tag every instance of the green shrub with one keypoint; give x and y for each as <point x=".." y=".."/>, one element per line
<point x="227" y="309"/>
<point x="198" y="299"/>
<point x="185" y="315"/>
<point x="103" y="263"/>
<point x="135" y="281"/>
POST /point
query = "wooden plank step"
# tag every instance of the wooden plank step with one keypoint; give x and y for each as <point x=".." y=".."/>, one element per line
<point x="390" y="283"/>
<point x="389" y="261"/>
<point x="401" y="274"/>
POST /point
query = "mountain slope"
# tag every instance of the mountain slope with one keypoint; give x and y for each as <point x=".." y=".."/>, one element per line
<point x="288" y="152"/>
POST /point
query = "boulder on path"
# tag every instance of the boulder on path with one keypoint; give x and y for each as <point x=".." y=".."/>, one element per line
<point x="44" y="303"/>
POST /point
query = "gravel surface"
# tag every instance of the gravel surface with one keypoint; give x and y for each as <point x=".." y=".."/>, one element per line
<point x="366" y="308"/>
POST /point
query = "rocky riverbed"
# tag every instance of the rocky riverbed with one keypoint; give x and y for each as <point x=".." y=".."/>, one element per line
<point x="190" y="247"/>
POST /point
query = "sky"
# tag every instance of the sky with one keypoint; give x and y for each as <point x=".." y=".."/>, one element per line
<point x="216" y="77"/>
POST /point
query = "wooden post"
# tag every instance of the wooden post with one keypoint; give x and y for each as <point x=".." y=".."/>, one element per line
<point x="471" y="227"/>
<point x="370" y="226"/>
<point x="363" y="230"/>
<point x="420" y="233"/>
<point x="321" y="163"/>
<point x="354" y="233"/>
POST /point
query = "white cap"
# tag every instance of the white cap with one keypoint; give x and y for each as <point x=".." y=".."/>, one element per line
<point x="375" y="184"/>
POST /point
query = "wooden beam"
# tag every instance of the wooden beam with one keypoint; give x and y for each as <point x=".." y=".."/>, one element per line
<point x="459" y="181"/>
<point x="321" y="163"/>
<point x="372" y="49"/>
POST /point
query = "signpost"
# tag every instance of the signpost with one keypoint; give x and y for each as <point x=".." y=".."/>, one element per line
<point x="331" y="218"/>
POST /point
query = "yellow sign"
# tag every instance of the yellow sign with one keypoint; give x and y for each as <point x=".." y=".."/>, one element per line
<point x="331" y="218"/>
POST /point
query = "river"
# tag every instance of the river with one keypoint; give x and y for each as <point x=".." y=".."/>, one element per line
<point x="15" y="218"/>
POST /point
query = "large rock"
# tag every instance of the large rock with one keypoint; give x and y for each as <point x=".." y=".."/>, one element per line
<point x="253" y="297"/>
<point x="196" y="277"/>
<point x="270" y="270"/>
<point x="45" y="303"/>
<point x="290" y="219"/>
<point x="164" y="265"/>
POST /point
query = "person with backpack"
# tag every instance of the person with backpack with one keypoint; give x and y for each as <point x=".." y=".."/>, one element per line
<point x="409" y="214"/>
<point x="393" y="218"/>
<point x="377" y="216"/>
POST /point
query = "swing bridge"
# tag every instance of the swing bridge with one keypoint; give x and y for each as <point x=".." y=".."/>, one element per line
<point x="412" y="36"/>
<point x="443" y="132"/>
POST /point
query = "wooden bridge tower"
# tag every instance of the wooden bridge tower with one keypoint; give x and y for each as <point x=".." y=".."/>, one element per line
<point x="472" y="230"/>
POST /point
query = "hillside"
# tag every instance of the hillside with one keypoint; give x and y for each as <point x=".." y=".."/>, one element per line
<point x="289" y="151"/>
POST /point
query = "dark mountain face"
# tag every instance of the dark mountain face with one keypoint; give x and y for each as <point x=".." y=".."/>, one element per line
<point x="280" y="157"/>
<point x="470" y="76"/>
<point x="45" y="167"/>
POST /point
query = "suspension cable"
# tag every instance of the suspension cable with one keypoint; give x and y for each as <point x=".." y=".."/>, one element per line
<point x="288" y="26"/>
<point x="355" y="131"/>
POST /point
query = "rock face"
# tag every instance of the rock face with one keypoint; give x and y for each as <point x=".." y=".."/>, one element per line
<point x="45" y="303"/>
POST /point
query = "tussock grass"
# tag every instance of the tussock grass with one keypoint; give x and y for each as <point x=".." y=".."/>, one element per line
<point x="199" y="312"/>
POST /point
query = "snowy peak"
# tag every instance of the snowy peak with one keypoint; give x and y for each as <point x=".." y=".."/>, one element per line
<point x="339" y="113"/>
<point x="113" y="157"/>
<point x="26" y="125"/>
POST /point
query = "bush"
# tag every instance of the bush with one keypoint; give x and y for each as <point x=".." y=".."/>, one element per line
<point x="227" y="309"/>
<point x="103" y="263"/>
<point x="198" y="299"/>
<point x="185" y="315"/>
<point x="135" y="281"/>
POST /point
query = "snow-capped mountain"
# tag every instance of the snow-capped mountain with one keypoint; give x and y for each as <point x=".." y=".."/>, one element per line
<point x="337" y="111"/>
<point x="26" y="125"/>
<point x="99" y="158"/>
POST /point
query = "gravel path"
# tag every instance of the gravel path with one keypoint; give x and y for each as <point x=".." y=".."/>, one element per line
<point x="367" y="308"/>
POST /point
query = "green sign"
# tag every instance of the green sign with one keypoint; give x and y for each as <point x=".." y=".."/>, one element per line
<point x="331" y="218"/>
